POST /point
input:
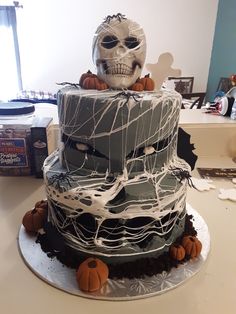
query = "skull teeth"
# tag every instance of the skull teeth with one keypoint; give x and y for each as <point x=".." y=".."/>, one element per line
<point x="122" y="69"/>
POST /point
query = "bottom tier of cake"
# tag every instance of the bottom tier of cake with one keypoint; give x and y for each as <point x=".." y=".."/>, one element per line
<point x="147" y="264"/>
<point x="43" y="260"/>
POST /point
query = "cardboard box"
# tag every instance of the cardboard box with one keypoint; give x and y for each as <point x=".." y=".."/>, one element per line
<point x="24" y="145"/>
<point x="15" y="155"/>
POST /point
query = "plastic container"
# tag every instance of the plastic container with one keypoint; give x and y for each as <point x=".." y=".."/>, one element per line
<point x="17" y="111"/>
<point x="16" y="119"/>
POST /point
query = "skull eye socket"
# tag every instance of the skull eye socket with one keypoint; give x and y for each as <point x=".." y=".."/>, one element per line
<point x="109" y="41"/>
<point x="131" y="42"/>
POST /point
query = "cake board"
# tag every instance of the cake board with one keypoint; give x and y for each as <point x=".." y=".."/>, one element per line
<point x="54" y="273"/>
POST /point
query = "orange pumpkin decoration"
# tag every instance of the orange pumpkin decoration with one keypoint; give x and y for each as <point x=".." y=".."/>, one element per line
<point x="90" y="82"/>
<point x="93" y="82"/>
<point x="137" y="86"/>
<point x="92" y="274"/>
<point x="100" y="85"/>
<point x="33" y="220"/>
<point x="42" y="204"/>
<point x="192" y="246"/>
<point x="147" y="82"/>
<point x="84" y="76"/>
<point x="177" y="252"/>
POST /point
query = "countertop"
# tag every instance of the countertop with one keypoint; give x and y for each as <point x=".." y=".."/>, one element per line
<point x="199" y="117"/>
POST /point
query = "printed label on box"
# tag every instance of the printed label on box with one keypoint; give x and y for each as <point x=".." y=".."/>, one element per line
<point x="13" y="152"/>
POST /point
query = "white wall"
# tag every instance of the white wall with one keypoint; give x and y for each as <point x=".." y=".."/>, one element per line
<point x="56" y="36"/>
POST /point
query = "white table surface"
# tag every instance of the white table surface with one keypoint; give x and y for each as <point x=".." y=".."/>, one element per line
<point x="198" y="118"/>
<point x="212" y="290"/>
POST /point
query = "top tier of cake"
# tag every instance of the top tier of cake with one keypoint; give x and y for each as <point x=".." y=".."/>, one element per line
<point x="113" y="131"/>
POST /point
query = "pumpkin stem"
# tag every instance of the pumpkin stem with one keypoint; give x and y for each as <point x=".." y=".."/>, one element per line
<point x="34" y="211"/>
<point x="147" y="75"/>
<point x="92" y="264"/>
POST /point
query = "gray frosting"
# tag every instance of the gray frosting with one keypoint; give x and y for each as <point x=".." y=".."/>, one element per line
<point x="112" y="186"/>
<point x="117" y="130"/>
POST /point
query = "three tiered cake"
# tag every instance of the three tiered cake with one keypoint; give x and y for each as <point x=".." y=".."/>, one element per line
<point x="116" y="189"/>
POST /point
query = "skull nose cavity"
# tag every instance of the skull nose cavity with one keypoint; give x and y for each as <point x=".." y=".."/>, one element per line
<point x="120" y="50"/>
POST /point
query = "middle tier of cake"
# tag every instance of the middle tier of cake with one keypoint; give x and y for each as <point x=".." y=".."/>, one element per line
<point x="117" y="217"/>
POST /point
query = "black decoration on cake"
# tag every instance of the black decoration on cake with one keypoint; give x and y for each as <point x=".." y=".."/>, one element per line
<point x="69" y="84"/>
<point x="185" y="148"/>
<point x="117" y="16"/>
<point x="136" y="97"/>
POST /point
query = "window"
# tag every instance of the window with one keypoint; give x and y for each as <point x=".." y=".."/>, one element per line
<point x="10" y="70"/>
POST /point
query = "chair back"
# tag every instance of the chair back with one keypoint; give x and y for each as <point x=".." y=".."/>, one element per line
<point x="197" y="100"/>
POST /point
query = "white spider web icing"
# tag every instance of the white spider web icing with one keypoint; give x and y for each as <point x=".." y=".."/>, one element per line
<point x="154" y="198"/>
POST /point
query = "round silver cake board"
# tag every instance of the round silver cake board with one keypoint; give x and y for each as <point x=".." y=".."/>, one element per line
<point x="61" y="277"/>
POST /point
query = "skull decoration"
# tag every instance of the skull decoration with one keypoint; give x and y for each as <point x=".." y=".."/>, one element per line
<point x="119" y="50"/>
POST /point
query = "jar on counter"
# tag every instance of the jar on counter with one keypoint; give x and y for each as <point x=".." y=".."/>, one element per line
<point x="16" y="119"/>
